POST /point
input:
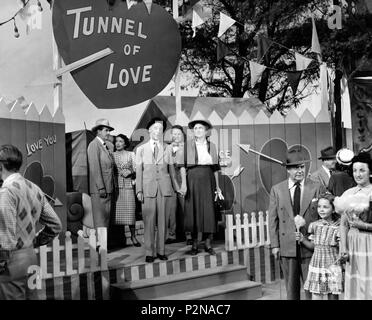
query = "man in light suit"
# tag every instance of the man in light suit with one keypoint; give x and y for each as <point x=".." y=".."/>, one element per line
<point x="296" y="195"/>
<point x="154" y="188"/>
<point x="323" y="174"/>
<point x="101" y="181"/>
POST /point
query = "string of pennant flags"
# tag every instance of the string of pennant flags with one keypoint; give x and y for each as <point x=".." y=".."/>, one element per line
<point x="201" y="14"/>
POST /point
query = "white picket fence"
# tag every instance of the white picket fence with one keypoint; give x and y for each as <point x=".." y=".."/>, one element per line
<point x="246" y="233"/>
<point x="87" y="259"/>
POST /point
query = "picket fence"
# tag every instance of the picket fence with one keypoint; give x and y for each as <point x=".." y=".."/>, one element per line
<point x="62" y="254"/>
<point x="248" y="233"/>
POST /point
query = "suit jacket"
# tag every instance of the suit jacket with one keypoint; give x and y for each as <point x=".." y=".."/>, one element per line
<point x="281" y="217"/>
<point x="153" y="174"/>
<point x="320" y="176"/>
<point x="101" y="168"/>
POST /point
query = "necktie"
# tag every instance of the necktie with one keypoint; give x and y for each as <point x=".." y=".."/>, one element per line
<point x="156" y="150"/>
<point x="297" y="199"/>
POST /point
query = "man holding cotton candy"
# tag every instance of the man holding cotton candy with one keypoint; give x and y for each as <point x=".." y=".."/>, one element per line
<point x="292" y="208"/>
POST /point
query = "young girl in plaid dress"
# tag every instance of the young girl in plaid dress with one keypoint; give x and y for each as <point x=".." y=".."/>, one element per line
<point x="324" y="237"/>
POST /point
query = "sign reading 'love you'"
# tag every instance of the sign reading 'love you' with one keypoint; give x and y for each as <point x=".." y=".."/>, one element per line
<point x="146" y="49"/>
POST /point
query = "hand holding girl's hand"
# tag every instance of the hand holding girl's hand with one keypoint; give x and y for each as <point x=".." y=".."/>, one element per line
<point x="357" y="223"/>
<point x="299" y="236"/>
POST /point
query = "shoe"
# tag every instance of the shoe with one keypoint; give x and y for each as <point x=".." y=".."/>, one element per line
<point x="210" y="251"/>
<point x="162" y="257"/>
<point x="149" y="259"/>
<point x="189" y="242"/>
<point x="193" y="251"/>
<point x="135" y="243"/>
<point x="169" y="241"/>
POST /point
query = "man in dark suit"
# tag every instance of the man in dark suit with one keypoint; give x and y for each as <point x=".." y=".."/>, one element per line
<point x="101" y="182"/>
<point x="294" y="196"/>
<point x="322" y="175"/>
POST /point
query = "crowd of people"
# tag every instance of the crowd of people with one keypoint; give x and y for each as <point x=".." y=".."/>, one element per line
<point x="181" y="177"/>
<point x="320" y="226"/>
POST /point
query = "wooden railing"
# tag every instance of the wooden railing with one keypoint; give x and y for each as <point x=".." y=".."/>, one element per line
<point x="72" y="257"/>
<point x="246" y="233"/>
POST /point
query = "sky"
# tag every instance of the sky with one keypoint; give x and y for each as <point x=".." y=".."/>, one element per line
<point x="26" y="67"/>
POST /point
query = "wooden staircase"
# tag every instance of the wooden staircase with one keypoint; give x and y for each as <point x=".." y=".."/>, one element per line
<point x="228" y="282"/>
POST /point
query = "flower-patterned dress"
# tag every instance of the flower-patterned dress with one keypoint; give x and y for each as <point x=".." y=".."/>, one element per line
<point x="125" y="208"/>
<point x="326" y="237"/>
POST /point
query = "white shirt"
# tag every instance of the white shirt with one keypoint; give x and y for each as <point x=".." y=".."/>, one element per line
<point x="292" y="187"/>
<point x="327" y="171"/>
<point x="152" y="144"/>
<point x="204" y="158"/>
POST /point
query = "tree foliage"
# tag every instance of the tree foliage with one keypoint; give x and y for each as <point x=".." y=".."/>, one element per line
<point x="285" y="22"/>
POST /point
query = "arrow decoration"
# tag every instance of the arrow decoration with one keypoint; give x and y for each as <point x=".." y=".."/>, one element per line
<point x="247" y="148"/>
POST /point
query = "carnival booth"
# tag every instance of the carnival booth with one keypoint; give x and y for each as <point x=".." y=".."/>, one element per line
<point x="41" y="139"/>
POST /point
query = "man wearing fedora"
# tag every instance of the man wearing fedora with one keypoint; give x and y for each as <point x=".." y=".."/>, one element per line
<point x="154" y="188"/>
<point x="289" y="198"/>
<point x="323" y="174"/>
<point x="101" y="181"/>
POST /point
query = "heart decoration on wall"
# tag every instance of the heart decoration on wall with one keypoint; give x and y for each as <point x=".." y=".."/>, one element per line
<point x="271" y="172"/>
<point x="146" y="49"/>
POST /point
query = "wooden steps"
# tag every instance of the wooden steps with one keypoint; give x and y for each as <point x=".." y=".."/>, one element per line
<point x="226" y="282"/>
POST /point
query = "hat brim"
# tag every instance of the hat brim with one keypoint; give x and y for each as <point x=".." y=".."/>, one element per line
<point x="95" y="128"/>
<point x="153" y="122"/>
<point x="192" y="124"/>
<point x="296" y="163"/>
<point x="327" y="157"/>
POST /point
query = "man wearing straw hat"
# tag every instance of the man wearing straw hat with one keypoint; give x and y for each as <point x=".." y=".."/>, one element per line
<point x="323" y="174"/>
<point x="292" y="201"/>
<point x="101" y="177"/>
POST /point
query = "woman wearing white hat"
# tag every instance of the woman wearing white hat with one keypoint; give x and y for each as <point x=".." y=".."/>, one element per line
<point x="341" y="179"/>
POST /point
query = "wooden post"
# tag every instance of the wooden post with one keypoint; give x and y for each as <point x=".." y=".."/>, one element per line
<point x="246" y="234"/>
<point x="254" y="229"/>
<point x="57" y="64"/>
<point x="68" y="254"/>
<point x="267" y="229"/>
<point x="81" y="251"/>
<point x="238" y="231"/>
<point x="56" y="258"/>
<point x="92" y="250"/>
<point x="229" y="233"/>
<point x="177" y="75"/>
<point x="261" y="228"/>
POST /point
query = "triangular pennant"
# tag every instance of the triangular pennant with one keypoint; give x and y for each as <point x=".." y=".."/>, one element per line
<point x="256" y="72"/>
<point x="315" y="46"/>
<point x="148" y="4"/>
<point x="204" y="12"/>
<point x="196" y="21"/>
<point x="294" y="79"/>
<point x="31" y="16"/>
<point x="222" y="50"/>
<point x="225" y="23"/>
<point x="263" y="44"/>
<point x="130" y="3"/>
<point x="302" y="62"/>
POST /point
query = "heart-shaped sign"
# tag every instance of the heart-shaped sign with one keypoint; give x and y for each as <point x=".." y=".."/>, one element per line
<point x="146" y="49"/>
<point x="271" y="172"/>
<point x="35" y="173"/>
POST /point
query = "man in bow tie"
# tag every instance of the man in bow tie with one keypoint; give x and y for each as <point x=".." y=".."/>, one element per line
<point x="154" y="188"/>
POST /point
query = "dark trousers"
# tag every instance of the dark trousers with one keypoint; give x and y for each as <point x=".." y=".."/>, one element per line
<point x="295" y="272"/>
